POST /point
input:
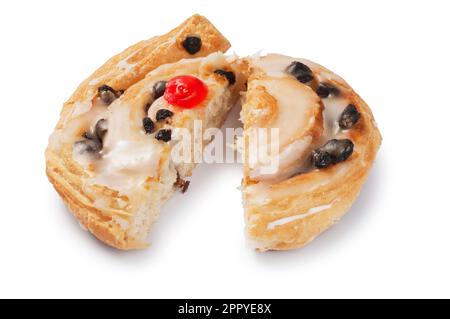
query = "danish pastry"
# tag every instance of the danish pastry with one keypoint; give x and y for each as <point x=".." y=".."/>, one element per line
<point x="326" y="142"/>
<point x="109" y="156"/>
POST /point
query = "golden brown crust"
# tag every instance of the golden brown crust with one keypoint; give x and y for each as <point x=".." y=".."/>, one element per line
<point x="68" y="183"/>
<point x="120" y="72"/>
<point x="290" y="213"/>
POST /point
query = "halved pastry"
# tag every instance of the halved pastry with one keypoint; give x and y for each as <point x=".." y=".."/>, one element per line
<point x="303" y="176"/>
<point x="110" y="154"/>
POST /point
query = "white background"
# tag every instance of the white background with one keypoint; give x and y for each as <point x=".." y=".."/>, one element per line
<point x="395" y="241"/>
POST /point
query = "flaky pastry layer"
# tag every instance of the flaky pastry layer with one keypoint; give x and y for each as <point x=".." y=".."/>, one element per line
<point x="290" y="213"/>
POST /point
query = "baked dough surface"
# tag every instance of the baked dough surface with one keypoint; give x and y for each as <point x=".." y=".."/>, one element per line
<point x="289" y="212"/>
<point x="104" y="211"/>
<point x="282" y="211"/>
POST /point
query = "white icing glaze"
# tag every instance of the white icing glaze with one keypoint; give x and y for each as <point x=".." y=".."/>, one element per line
<point x="130" y="157"/>
<point x="75" y="124"/>
<point x="295" y="109"/>
<point x="309" y="212"/>
<point x="334" y="106"/>
<point x="81" y="108"/>
<point x="275" y="65"/>
<point x="295" y="102"/>
<point x="127" y="165"/>
<point x="124" y="65"/>
<point x="291" y="154"/>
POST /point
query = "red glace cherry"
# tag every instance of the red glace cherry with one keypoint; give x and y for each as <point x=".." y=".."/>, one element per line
<point x="185" y="91"/>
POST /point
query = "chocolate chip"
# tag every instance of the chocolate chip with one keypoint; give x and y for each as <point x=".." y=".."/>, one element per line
<point x="321" y="159"/>
<point x="339" y="149"/>
<point x="349" y="117"/>
<point x="162" y="114"/>
<point x="164" y="135"/>
<point x="107" y="94"/>
<point x="333" y="152"/>
<point x="324" y="90"/>
<point x="192" y="44"/>
<point x="231" y="78"/>
<point x="149" y="126"/>
<point x="301" y="71"/>
<point x="92" y="142"/>
<point x="158" y="89"/>
<point x="88" y="146"/>
<point x="100" y="129"/>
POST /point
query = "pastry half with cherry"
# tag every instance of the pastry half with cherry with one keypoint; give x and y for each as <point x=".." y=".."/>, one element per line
<point x="110" y="154"/>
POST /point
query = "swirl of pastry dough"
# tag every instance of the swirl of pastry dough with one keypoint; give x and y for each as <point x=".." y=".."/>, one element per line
<point x="328" y="140"/>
